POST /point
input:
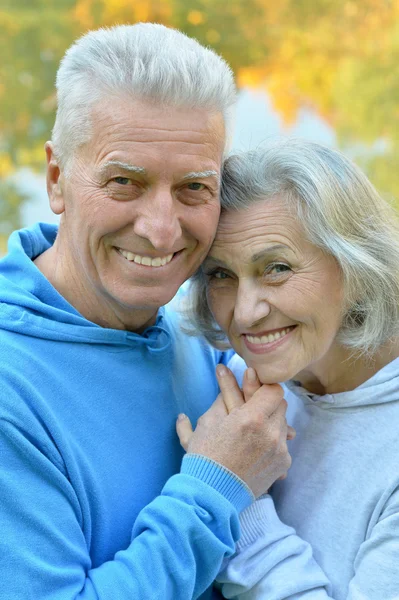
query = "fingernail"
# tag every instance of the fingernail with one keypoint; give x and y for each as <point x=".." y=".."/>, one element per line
<point x="221" y="370"/>
<point x="251" y="375"/>
<point x="181" y="417"/>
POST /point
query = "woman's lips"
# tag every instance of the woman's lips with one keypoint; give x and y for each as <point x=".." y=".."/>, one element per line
<point x="264" y="342"/>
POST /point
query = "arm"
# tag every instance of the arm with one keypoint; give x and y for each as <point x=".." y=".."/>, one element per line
<point x="271" y="561"/>
<point x="376" y="563"/>
<point x="178" y="540"/>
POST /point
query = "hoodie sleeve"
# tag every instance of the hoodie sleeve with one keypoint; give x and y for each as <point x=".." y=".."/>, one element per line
<point x="376" y="564"/>
<point x="273" y="563"/>
<point x="178" y="542"/>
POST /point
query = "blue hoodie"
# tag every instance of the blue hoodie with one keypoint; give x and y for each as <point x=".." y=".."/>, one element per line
<point x="94" y="502"/>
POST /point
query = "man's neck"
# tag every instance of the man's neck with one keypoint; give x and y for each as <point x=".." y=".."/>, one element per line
<point x="63" y="277"/>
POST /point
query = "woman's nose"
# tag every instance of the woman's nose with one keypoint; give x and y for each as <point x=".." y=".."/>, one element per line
<point x="250" y="308"/>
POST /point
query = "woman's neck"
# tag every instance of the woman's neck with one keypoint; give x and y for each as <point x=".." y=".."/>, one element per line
<point x="342" y="370"/>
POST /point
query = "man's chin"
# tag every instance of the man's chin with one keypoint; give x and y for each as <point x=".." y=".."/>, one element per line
<point x="149" y="303"/>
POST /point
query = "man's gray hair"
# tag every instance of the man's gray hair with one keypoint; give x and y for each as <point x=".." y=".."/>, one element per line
<point x="341" y="213"/>
<point x="145" y="61"/>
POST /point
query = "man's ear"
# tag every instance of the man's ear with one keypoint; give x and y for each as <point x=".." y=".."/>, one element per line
<point x="53" y="178"/>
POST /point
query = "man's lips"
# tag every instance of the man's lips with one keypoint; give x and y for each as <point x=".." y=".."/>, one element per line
<point x="147" y="261"/>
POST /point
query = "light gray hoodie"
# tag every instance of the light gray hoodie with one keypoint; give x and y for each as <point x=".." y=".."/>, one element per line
<point x="339" y="501"/>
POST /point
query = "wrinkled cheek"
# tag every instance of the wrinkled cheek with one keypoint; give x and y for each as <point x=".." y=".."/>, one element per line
<point x="214" y="301"/>
<point x="211" y="299"/>
<point x="207" y="224"/>
<point x="319" y="342"/>
<point x="221" y="304"/>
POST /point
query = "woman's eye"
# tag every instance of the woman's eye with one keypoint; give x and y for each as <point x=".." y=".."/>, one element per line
<point x="217" y="275"/>
<point x="196" y="187"/>
<point x="122" y="180"/>
<point x="277" y="269"/>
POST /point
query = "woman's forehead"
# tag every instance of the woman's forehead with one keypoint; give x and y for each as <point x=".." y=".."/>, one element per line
<point x="263" y="218"/>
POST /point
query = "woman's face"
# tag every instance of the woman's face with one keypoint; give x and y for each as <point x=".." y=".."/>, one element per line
<point x="277" y="297"/>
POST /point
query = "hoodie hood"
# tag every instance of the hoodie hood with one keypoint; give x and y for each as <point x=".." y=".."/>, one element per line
<point x="379" y="389"/>
<point x="30" y="305"/>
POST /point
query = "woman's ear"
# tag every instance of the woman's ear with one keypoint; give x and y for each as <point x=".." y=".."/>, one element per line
<point x="53" y="178"/>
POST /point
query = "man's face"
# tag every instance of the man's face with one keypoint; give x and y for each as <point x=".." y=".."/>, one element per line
<point x="141" y="206"/>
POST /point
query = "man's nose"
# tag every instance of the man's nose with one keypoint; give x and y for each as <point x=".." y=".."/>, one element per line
<point x="251" y="306"/>
<point x="159" y="221"/>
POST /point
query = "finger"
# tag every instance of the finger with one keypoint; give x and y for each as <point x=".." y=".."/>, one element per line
<point x="280" y="413"/>
<point x="278" y="422"/>
<point x="291" y="433"/>
<point x="184" y="430"/>
<point x="232" y="395"/>
<point x="267" y="399"/>
<point x="250" y="384"/>
<point x="218" y="410"/>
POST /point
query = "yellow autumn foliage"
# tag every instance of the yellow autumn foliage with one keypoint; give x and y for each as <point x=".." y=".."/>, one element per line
<point x="340" y="57"/>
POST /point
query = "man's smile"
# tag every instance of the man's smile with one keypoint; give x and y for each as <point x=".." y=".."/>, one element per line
<point x="148" y="261"/>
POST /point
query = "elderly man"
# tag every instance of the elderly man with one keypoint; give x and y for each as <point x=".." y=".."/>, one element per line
<point x="96" y="501"/>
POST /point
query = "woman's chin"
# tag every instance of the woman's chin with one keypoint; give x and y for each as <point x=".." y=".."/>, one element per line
<point x="268" y="374"/>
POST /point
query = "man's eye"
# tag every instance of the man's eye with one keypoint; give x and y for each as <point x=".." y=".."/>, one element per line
<point x="122" y="180"/>
<point x="196" y="187"/>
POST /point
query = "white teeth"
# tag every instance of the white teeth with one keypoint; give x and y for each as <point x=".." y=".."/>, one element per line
<point x="267" y="339"/>
<point x="167" y="259"/>
<point x="159" y="261"/>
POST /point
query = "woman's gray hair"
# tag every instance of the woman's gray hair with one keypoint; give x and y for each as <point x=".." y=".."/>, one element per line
<point x="341" y="213"/>
<point x="145" y="61"/>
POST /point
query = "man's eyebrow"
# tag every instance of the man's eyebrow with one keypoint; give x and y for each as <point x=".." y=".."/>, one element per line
<point x="125" y="166"/>
<point x="200" y="175"/>
<point x="264" y="253"/>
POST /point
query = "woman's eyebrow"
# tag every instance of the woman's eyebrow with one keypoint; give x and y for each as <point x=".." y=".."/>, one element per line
<point x="213" y="261"/>
<point x="264" y="253"/>
<point x="258" y="256"/>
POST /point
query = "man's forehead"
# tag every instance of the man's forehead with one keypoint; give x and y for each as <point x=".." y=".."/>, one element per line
<point x="142" y="111"/>
<point x="130" y="135"/>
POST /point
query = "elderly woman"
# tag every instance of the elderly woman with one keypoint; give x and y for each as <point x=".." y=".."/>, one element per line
<point x="303" y="281"/>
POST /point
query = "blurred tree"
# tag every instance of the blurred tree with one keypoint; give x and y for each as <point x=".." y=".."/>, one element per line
<point x="339" y="57"/>
<point x="10" y="205"/>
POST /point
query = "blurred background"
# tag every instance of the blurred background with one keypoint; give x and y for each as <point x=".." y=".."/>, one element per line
<point x="327" y="70"/>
